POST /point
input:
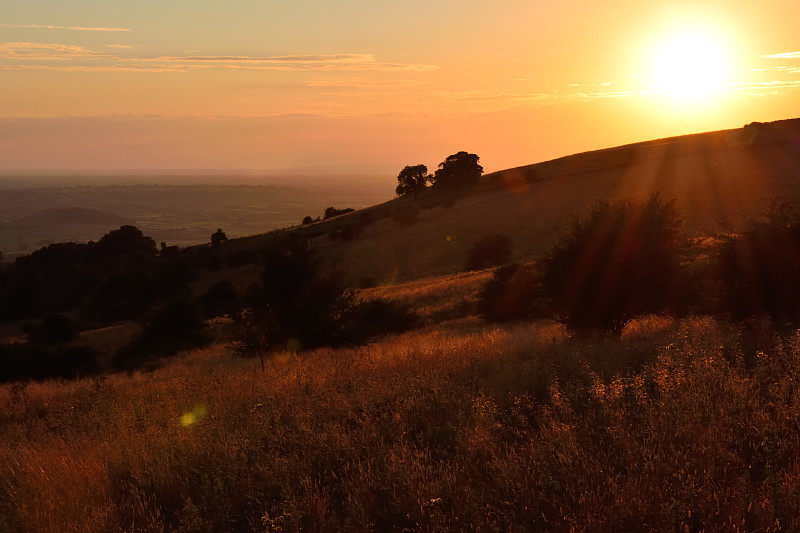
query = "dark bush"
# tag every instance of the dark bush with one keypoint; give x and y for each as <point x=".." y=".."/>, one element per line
<point x="621" y="261"/>
<point x="373" y="318"/>
<point x="241" y="258"/>
<point x="513" y="293"/>
<point x="175" y="326"/>
<point x="55" y="329"/>
<point x="490" y="250"/>
<point x="759" y="268"/>
<point x="222" y="298"/>
<point x="34" y="360"/>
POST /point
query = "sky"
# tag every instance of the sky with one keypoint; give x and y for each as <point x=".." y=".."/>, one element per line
<point x="370" y="86"/>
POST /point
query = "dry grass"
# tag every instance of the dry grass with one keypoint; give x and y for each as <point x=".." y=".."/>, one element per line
<point x="464" y="427"/>
<point x="437" y="298"/>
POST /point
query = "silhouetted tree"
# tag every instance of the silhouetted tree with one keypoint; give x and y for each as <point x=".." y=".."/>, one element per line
<point x="307" y="220"/>
<point x="412" y="180"/>
<point x="621" y="261"/>
<point x="218" y="237"/>
<point x="295" y="307"/>
<point x="457" y="172"/>
<point x="490" y="250"/>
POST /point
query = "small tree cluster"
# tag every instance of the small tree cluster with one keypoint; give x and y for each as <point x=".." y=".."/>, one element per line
<point x="456" y="173"/>
<point x="331" y="212"/>
<point x="296" y="307"/>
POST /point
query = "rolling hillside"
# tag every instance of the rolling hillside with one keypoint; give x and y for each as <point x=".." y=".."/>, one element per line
<point x="719" y="179"/>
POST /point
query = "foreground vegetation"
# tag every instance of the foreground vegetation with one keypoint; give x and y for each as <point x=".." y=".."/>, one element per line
<point x="672" y="426"/>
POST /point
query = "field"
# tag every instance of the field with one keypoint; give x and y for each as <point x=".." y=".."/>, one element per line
<point x="670" y="426"/>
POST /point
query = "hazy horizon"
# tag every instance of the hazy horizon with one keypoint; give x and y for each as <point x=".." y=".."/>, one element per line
<point x="312" y="85"/>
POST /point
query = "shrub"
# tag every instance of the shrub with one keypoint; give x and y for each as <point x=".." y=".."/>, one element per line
<point x="373" y="318"/>
<point x="621" y="261"/>
<point x="489" y="250"/>
<point x="55" y="329"/>
<point x="241" y="258"/>
<point x="758" y="268"/>
<point x="177" y="325"/>
<point x="222" y="298"/>
<point x="513" y="293"/>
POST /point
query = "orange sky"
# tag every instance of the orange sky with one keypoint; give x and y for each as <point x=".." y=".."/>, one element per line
<point x="372" y="86"/>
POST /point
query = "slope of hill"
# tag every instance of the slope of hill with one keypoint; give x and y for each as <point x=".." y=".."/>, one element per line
<point x="719" y="179"/>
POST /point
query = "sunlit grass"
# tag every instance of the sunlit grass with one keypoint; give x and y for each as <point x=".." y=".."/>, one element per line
<point x="447" y="428"/>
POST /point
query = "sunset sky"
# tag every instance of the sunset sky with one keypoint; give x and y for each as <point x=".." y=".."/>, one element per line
<point x="370" y="86"/>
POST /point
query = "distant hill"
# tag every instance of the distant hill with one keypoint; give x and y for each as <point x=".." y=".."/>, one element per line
<point x="719" y="179"/>
<point x="70" y="216"/>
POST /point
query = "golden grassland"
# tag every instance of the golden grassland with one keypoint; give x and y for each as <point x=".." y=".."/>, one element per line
<point x="673" y="426"/>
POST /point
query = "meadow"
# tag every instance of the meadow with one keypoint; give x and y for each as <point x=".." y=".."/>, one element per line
<point x="683" y="425"/>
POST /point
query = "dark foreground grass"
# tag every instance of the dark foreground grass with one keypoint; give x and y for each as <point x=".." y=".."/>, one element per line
<point x="676" y="426"/>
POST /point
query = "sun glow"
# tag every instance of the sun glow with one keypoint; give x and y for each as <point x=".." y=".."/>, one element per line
<point x="691" y="65"/>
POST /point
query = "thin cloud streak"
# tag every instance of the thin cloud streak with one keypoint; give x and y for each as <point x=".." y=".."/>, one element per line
<point x="783" y="55"/>
<point x="54" y="27"/>
<point x="363" y="83"/>
<point x="46" y="52"/>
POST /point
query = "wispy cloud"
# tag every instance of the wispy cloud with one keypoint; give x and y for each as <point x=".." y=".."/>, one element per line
<point x="54" y="27"/>
<point x="45" y="56"/>
<point x="783" y="55"/>
<point x="47" y="52"/>
<point x="364" y="83"/>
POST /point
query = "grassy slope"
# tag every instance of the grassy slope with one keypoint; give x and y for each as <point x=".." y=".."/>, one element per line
<point x="719" y="179"/>
<point x="673" y="427"/>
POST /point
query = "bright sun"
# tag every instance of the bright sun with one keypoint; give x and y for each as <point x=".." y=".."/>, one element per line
<point x="690" y="65"/>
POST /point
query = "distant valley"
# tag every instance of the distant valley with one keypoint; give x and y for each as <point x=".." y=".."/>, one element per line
<point x="37" y="211"/>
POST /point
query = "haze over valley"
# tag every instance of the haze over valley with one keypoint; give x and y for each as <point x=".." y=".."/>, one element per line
<point x="179" y="210"/>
